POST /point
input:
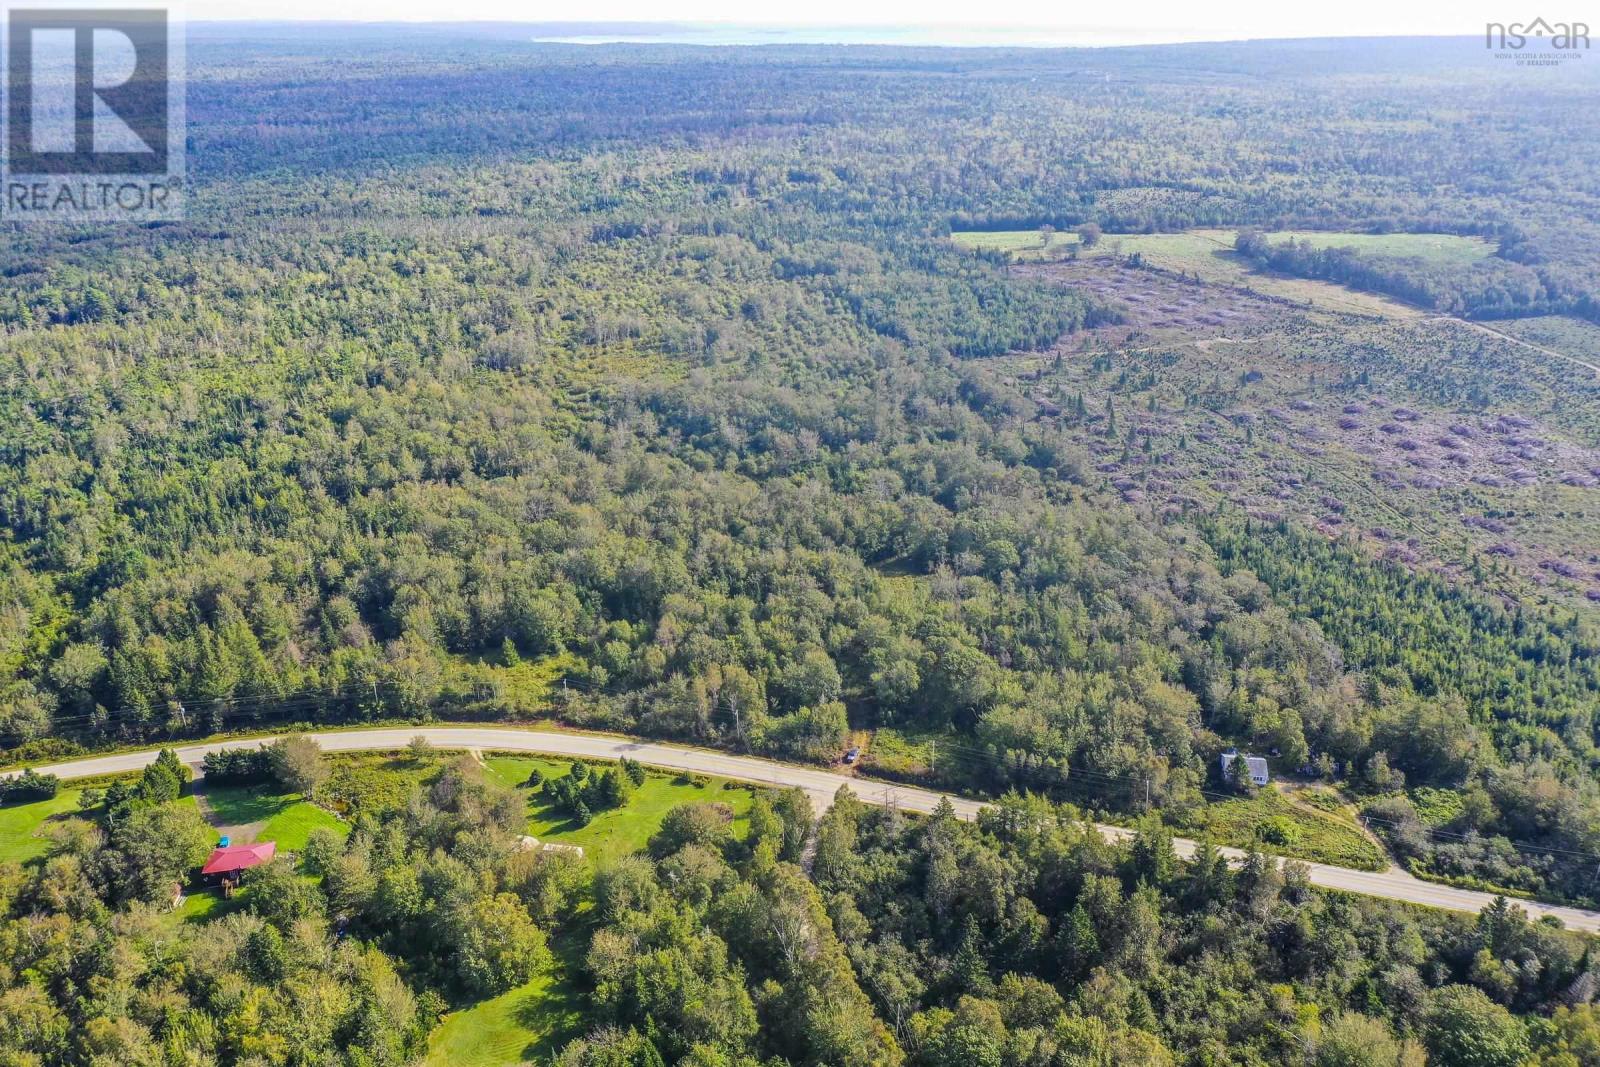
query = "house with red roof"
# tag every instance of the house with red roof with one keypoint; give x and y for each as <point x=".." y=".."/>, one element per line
<point x="227" y="862"/>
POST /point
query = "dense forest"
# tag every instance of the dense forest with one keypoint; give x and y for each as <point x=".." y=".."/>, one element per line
<point x="646" y="392"/>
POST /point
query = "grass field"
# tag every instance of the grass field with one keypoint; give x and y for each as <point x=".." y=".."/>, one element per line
<point x="1208" y="254"/>
<point x="625" y="830"/>
<point x="1444" y="249"/>
<point x="285" y="818"/>
<point x="1275" y="824"/>
<point x="1436" y="807"/>
<point x="1439" y="248"/>
<point x="253" y="813"/>
<point x="1571" y="336"/>
<point x="20" y="825"/>
<point x="201" y="906"/>
<point x="529" y="1024"/>
<point x="900" y="753"/>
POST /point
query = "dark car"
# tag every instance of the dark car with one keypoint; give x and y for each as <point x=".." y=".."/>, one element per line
<point x="853" y="755"/>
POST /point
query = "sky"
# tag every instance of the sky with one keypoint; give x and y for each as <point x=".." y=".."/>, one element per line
<point x="1060" y="21"/>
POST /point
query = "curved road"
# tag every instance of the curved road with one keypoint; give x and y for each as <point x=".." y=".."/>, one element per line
<point x="1392" y="884"/>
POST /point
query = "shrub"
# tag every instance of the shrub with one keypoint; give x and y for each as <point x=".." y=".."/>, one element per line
<point x="45" y="748"/>
<point x="29" y="786"/>
<point x="634" y="770"/>
<point x="237" y="766"/>
<point x="297" y="763"/>
<point x="693" y="824"/>
<point x="1277" y="831"/>
<point x="583" y="792"/>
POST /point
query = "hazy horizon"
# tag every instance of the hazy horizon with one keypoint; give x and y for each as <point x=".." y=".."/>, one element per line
<point x="1005" y="22"/>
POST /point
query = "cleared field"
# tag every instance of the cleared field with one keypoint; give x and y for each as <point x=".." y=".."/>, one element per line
<point x="900" y="754"/>
<point x="620" y="831"/>
<point x="1209" y="256"/>
<point x="528" y="1024"/>
<point x="1577" y="340"/>
<point x="1441" y="248"/>
<point x="1023" y="242"/>
<point x="1272" y="822"/>
<point x="21" y="825"/>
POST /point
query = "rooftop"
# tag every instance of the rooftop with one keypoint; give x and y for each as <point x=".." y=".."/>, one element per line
<point x="230" y="858"/>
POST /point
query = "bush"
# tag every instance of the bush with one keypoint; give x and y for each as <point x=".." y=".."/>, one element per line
<point x="29" y="786"/>
<point x="634" y="770"/>
<point x="583" y="792"/>
<point x="45" y="748"/>
<point x="237" y="766"/>
<point x="297" y="763"/>
<point x="1277" y="831"/>
<point x="693" y="824"/>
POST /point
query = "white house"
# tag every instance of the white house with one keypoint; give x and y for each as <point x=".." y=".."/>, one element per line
<point x="1257" y="765"/>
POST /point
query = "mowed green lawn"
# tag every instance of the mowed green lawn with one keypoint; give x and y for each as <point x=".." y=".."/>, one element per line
<point x="21" y="825"/>
<point x="529" y="1024"/>
<point x="284" y="818"/>
<point x="620" y="831"/>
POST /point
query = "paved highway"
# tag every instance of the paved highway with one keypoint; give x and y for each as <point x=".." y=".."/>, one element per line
<point x="1391" y="884"/>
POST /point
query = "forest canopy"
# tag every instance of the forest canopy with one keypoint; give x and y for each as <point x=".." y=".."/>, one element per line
<point x="643" y="389"/>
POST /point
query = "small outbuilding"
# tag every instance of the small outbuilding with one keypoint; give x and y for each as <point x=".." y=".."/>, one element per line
<point x="1256" y="765"/>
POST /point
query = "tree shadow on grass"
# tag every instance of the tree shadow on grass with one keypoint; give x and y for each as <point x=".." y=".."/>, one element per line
<point x="557" y="819"/>
<point x="555" y="1013"/>
<point x="245" y="805"/>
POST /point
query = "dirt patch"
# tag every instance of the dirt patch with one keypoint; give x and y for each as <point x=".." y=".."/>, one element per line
<point x="1155" y="299"/>
<point x="236" y="831"/>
